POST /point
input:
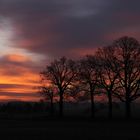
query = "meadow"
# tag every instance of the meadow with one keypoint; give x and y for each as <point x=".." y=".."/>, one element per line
<point x="76" y="124"/>
<point x="68" y="129"/>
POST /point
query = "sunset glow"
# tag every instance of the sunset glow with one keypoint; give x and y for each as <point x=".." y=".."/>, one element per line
<point x="35" y="32"/>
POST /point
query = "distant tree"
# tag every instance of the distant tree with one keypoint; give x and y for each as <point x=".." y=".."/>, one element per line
<point x="60" y="74"/>
<point x="107" y="76"/>
<point x="48" y="94"/>
<point x="88" y="78"/>
<point x="127" y="55"/>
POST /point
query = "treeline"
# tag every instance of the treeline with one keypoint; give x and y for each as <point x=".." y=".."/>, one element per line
<point x="43" y="109"/>
<point x="112" y="70"/>
<point x="24" y="107"/>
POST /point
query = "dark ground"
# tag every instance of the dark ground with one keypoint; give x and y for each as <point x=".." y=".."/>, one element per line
<point x="69" y="129"/>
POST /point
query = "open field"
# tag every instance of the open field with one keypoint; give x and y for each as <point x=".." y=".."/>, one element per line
<point x="68" y="129"/>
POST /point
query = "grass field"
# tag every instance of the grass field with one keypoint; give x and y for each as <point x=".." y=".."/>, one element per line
<point x="69" y="129"/>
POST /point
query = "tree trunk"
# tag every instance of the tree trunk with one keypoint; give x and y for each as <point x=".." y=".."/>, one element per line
<point x="61" y="105"/>
<point x="110" y="105"/>
<point x="128" y="109"/>
<point x="127" y="104"/>
<point x="52" y="107"/>
<point x="92" y="106"/>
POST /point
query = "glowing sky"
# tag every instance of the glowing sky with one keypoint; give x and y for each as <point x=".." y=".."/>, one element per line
<point x="34" y="32"/>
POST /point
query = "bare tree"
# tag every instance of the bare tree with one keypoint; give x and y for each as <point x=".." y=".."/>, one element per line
<point x="48" y="94"/>
<point x="60" y="74"/>
<point x="127" y="54"/>
<point x="107" y="76"/>
<point x="88" y="78"/>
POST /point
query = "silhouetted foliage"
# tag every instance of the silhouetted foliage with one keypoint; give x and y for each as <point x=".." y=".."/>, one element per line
<point x="127" y="55"/>
<point x="48" y="94"/>
<point x="107" y="76"/>
<point x="12" y="108"/>
<point x="113" y="71"/>
<point x="88" y="78"/>
<point x="61" y="74"/>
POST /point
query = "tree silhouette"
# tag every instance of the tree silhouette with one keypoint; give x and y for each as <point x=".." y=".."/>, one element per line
<point x="113" y="70"/>
<point x="107" y="76"/>
<point x="60" y="74"/>
<point x="48" y="93"/>
<point x="88" y="78"/>
<point x="127" y="55"/>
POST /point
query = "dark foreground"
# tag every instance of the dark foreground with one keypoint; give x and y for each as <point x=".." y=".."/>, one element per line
<point x="69" y="129"/>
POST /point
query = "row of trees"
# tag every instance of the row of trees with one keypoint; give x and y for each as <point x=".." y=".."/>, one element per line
<point x="113" y="70"/>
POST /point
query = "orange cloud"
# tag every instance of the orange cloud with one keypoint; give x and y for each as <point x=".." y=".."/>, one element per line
<point x="17" y="58"/>
<point x="19" y="76"/>
<point x="25" y="85"/>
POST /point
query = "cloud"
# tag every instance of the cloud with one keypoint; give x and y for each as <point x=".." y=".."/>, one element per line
<point x="55" y="28"/>
<point x="17" y="58"/>
<point x="19" y="77"/>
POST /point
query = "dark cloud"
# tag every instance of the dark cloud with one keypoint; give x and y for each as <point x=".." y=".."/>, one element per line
<point x="54" y="28"/>
<point x="22" y="95"/>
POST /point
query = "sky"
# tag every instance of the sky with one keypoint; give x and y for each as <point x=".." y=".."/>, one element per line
<point x="35" y="32"/>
